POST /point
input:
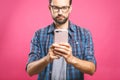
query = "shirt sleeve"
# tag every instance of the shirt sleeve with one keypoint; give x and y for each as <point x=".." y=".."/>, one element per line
<point x="89" y="48"/>
<point x="34" y="49"/>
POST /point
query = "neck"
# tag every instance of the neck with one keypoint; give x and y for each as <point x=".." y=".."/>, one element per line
<point x="62" y="26"/>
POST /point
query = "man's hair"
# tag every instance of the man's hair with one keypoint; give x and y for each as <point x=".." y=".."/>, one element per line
<point x="51" y="1"/>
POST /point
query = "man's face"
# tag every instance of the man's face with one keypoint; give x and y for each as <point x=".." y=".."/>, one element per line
<point x="60" y="10"/>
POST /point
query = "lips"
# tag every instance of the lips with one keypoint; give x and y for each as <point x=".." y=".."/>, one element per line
<point x="60" y="17"/>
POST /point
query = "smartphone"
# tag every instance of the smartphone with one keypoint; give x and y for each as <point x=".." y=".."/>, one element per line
<point x="60" y="35"/>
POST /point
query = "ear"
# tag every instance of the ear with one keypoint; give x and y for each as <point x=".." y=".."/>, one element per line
<point x="49" y="7"/>
<point x="70" y="9"/>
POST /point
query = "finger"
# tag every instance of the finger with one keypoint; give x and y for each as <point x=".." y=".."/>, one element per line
<point x="58" y="56"/>
<point x="58" y="53"/>
<point x="63" y="48"/>
<point x="61" y="54"/>
<point x="62" y="45"/>
<point x="55" y="57"/>
<point x="65" y="44"/>
<point x="55" y="45"/>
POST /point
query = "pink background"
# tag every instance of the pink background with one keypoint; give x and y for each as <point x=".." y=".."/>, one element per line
<point x="19" y="19"/>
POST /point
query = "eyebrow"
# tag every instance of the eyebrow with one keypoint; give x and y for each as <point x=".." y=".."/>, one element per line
<point x="58" y="6"/>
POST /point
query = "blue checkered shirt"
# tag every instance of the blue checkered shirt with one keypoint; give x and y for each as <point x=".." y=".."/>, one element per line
<point x="82" y="47"/>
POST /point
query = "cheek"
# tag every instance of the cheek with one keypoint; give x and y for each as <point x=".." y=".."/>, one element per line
<point x="54" y="15"/>
<point x="66" y="15"/>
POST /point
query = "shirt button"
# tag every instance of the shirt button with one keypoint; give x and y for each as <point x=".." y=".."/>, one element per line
<point x="76" y="42"/>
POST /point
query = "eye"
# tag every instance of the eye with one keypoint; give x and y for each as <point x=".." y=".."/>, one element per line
<point x="54" y="7"/>
<point x="64" y="7"/>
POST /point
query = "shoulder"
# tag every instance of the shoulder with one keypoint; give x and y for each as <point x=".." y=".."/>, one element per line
<point x="41" y="33"/>
<point x="81" y="29"/>
<point x="43" y="30"/>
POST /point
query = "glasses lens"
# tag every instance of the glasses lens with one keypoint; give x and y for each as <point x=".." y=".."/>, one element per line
<point x="64" y="8"/>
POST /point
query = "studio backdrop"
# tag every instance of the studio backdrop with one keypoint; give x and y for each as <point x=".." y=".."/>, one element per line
<point x="19" y="19"/>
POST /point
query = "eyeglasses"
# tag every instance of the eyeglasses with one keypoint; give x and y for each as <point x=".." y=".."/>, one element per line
<point x="64" y="9"/>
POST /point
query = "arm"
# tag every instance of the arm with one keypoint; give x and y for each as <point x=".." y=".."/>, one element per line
<point x="36" y="67"/>
<point x="82" y="65"/>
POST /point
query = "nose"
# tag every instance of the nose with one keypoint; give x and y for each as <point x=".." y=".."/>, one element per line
<point x="59" y="11"/>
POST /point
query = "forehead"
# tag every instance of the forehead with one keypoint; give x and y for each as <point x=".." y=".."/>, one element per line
<point x="60" y="3"/>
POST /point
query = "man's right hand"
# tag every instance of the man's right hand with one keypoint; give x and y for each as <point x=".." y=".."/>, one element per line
<point x="51" y="56"/>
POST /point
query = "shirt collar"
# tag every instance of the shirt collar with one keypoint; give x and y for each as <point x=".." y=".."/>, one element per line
<point x="71" y="27"/>
<point x="51" y="28"/>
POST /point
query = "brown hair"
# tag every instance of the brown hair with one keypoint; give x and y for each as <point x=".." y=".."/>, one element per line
<point x="51" y="1"/>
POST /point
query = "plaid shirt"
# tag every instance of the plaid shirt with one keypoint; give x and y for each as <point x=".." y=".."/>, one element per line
<point x="82" y="47"/>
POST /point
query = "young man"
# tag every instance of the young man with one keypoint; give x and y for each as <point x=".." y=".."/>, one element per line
<point x="77" y="55"/>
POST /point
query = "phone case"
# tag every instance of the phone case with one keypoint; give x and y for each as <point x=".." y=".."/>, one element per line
<point x="60" y="35"/>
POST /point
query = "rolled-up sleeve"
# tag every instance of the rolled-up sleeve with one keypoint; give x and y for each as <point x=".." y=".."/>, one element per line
<point x="34" y="49"/>
<point x="89" y="48"/>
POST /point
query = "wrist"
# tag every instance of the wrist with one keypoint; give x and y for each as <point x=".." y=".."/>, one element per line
<point x="47" y="59"/>
<point x="70" y="60"/>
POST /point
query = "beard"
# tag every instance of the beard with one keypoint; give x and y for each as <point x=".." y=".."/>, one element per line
<point x="60" y="19"/>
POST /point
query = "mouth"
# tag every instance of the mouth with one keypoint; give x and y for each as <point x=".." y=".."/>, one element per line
<point x="60" y="17"/>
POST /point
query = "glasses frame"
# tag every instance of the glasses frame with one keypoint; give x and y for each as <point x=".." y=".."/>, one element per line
<point x="56" y="9"/>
